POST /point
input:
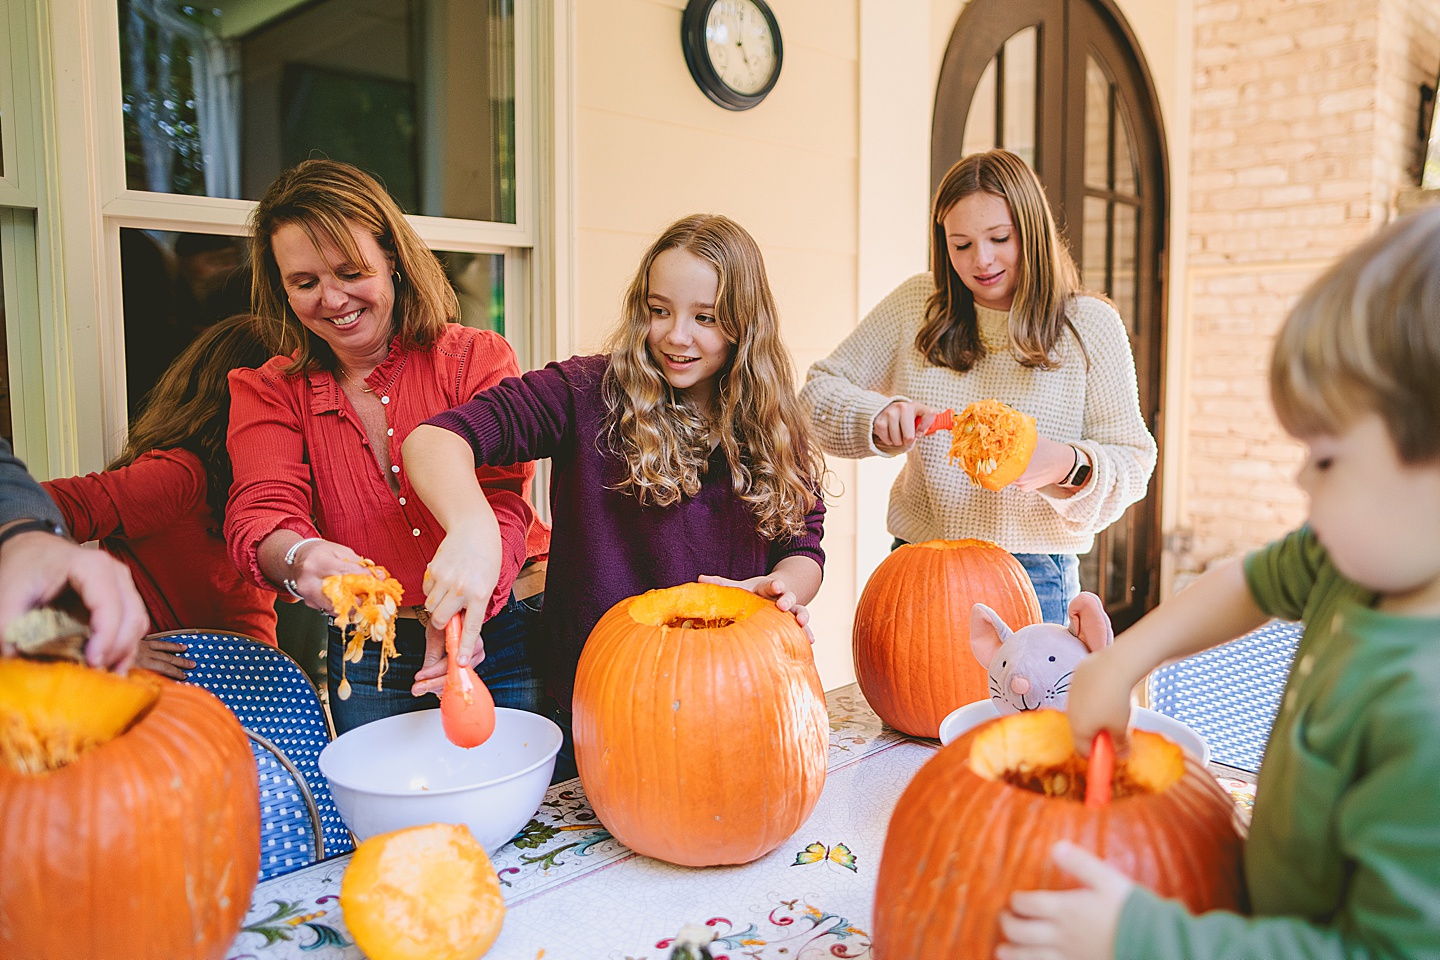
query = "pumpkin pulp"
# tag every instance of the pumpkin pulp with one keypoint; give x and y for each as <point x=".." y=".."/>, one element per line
<point x="54" y="712"/>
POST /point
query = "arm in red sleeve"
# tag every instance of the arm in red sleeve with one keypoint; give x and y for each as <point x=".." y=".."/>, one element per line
<point x="272" y="487"/>
<point x="132" y="501"/>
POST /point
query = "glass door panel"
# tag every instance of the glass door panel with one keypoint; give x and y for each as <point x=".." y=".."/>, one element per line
<point x="1003" y="108"/>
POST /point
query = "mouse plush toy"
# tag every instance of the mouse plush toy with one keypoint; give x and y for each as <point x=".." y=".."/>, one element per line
<point x="1030" y="668"/>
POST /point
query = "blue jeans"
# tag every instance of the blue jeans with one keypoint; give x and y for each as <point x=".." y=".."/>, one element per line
<point x="565" y="760"/>
<point x="508" y="670"/>
<point x="1055" y="577"/>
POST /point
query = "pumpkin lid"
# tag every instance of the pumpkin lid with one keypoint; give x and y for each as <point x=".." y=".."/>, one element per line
<point x="1035" y="751"/>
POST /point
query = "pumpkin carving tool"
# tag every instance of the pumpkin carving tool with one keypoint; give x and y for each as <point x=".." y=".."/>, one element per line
<point x="467" y="711"/>
<point x="944" y="420"/>
<point x="1100" y="778"/>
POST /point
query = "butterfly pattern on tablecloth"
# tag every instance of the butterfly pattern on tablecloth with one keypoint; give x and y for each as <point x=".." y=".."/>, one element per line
<point x="818" y="852"/>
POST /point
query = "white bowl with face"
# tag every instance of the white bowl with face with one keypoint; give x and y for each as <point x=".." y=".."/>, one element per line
<point x="973" y="714"/>
<point x="402" y="772"/>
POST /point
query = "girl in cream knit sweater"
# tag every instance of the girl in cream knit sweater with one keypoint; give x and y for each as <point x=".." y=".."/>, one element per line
<point x="1001" y="316"/>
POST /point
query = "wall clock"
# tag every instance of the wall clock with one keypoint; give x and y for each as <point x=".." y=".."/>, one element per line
<point x="732" y="48"/>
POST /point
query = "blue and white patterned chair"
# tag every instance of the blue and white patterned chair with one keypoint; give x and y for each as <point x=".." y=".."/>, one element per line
<point x="281" y="712"/>
<point x="1230" y="693"/>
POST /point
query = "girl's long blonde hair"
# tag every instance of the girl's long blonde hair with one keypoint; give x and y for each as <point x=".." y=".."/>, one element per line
<point x="1048" y="280"/>
<point x="665" y="438"/>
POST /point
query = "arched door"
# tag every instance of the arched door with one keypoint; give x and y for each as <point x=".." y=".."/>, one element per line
<point x="1062" y="83"/>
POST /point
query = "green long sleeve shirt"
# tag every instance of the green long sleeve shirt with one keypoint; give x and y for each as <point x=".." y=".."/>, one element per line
<point x="1343" y="856"/>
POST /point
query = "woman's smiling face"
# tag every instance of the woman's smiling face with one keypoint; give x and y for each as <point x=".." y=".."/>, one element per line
<point x="343" y="303"/>
<point x="984" y="251"/>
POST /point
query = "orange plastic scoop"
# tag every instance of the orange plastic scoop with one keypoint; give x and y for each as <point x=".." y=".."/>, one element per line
<point x="1100" y="778"/>
<point x="467" y="712"/>
<point x="944" y="420"/>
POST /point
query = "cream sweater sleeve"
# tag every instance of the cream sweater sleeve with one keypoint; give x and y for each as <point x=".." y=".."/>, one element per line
<point x="1113" y="433"/>
<point x="844" y="392"/>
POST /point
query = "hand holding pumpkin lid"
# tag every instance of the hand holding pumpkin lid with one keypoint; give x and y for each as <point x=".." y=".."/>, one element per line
<point x="992" y="443"/>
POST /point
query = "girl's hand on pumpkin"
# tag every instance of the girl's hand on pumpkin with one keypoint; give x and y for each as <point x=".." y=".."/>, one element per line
<point x="1067" y="924"/>
<point x="772" y="588"/>
<point x="894" y="429"/>
<point x="1049" y="464"/>
<point x="165" y="658"/>
<point x="462" y="576"/>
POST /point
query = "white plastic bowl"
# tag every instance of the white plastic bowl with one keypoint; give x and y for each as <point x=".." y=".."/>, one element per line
<point x="974" y="714"/>
<point x="402" y="772"/>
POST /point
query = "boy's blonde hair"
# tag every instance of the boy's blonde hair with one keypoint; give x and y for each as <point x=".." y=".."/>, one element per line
<point x="1048" y="280"/>
<point x="1365" y="338"/>
<point x="665" y="439"/>
<point x="325" y="198"/>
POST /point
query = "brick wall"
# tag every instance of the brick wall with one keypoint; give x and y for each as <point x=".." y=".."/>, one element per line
<point x="1304" y="131"/>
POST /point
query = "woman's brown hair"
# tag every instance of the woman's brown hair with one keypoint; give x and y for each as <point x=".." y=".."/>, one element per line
<point x="189" y="407"/>
<point x="1048" y="280"/>
<point x="325" y="198"/>
<point x="665" y="439"/>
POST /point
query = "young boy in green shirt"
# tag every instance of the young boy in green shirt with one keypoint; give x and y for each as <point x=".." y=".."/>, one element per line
<point x="1343" y="856"/>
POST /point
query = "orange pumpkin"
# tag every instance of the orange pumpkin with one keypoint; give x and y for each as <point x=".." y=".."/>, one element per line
<point x="970" y="829"/>
<point x="700" y="726"/>
<point x="422" y="893"/>
<point x="911" y="639"/>
<point x="129" y="816"/>
<point x="992" y="443"/>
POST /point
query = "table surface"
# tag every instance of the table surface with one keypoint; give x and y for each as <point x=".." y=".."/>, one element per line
<point x="573" y="892"/>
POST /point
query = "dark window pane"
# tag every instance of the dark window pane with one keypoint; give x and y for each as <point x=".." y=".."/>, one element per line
<point x="218" y="100"/>
<point x="1021" y="83"/>
<point x="980" y="121"/>
<point x="1093" y="273"/>
<point x="172" y="287"/>
<point x="479" y="282"/>
<point x="1097" y="127"/>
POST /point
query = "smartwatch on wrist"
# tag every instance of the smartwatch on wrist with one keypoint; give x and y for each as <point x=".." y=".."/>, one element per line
<point x="1079" y="471"/>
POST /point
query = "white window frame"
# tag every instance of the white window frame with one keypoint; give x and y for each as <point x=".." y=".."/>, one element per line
<point x="79" y="243"/>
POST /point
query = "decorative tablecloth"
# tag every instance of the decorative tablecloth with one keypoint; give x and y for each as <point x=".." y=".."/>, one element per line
<point x="573" y="892"/>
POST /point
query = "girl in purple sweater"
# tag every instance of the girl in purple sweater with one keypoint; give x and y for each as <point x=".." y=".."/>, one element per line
<point x="680" y="454"/>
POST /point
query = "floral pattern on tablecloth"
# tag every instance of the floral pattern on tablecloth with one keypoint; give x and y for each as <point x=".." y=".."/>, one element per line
<point x="790" y="930"/>
<point x="855" y="730"/>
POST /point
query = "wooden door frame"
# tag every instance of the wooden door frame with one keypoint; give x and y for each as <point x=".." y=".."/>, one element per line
<point x="1087" y="26"/>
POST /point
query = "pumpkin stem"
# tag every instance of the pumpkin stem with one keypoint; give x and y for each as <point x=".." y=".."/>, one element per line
<point x="54" y="712"/>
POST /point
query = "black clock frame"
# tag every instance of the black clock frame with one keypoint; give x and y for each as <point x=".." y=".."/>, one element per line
<point x="697" y="56"/>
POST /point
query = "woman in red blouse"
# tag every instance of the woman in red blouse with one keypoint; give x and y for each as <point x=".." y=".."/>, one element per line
<point x="363" y="314"/>
<point x="159" y="507"/>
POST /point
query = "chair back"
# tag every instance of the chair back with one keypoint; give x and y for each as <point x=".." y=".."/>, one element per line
<point x="281" y="712"/>
<point x="1230" y="693"/>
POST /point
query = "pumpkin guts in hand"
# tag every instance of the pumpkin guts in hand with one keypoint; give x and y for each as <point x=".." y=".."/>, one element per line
<point x="369" y="602"/>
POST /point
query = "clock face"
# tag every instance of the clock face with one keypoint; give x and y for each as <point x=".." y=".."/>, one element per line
<point x="733" y="50"/>
<point x="741" y="45"/>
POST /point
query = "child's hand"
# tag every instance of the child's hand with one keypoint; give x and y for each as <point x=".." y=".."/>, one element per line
<point x="430" y="678"/>
<point x="773" y="588"/>
<point x="164" y="657"/>
<point x="462" y="576"/>
<point x="1099" y="699"/>
<point x="1067" y="924"/>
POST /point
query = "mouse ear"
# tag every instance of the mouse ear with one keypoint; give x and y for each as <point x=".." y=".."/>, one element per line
<point x="1090" y="623"/>
<point x="987" y="633"/>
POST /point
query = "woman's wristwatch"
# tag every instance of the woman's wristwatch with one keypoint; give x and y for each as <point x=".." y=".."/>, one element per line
<point x="1079" y="470"/>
